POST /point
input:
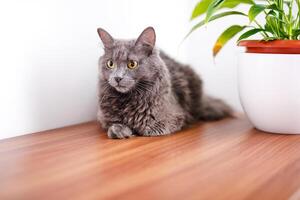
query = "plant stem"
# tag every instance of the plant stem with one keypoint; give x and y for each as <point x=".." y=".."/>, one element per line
<point x="264" y="33"/>
<point x="298" y="14"/>
<point x="280" y="5"/>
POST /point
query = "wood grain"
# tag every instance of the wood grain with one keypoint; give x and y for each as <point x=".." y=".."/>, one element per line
<point x="219" y="160"/>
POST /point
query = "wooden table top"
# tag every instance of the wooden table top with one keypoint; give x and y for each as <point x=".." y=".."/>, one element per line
<point x="219" y="160"/>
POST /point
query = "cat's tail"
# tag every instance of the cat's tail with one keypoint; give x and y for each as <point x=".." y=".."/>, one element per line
<point x="214" y="109"/>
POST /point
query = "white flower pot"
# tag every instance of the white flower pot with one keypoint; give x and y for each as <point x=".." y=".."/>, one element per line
<point x="269" y="89"/>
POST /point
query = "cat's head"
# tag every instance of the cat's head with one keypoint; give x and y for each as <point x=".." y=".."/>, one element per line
<point x="128" y="63"/>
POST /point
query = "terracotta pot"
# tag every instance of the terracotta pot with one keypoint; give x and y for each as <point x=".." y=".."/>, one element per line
<point x="275" y="46"/>
<point x="269" y="84"/>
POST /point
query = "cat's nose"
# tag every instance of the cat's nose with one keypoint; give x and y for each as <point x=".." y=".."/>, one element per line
<point x="118" y="79"/>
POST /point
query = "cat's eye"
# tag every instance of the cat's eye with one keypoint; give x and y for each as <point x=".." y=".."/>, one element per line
<point x="110" y="64"/>
<point x="132" y="64"/>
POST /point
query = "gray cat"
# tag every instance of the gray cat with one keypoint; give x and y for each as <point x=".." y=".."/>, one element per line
<point x="142" y="91"/>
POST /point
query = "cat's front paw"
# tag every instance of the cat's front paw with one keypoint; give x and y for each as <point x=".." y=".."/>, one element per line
<point x="119" y="131"/>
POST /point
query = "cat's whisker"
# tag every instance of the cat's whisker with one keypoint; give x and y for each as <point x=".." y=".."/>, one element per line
<point x="147" y="83"/>
<point x="105" y="92"/>
<point x="139" y="91"/>
<point x="144" y="88"/>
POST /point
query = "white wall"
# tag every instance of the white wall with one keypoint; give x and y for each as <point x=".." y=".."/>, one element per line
<point x="49" y="51"/>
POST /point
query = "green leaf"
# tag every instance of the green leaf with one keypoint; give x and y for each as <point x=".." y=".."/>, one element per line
<point x="212" y="8"/>
<point x="274" y="7"/>
<point x="272" y="25"/>
<point x="219" y="4"/>
<point x="271" y="12"/>
<point x="270" y="38"/>
<point x="268" y="28"/>
<point x="255" y="10"/>
<point x="228" y="34"/>
<point x="250" y="33"/>
<point x="296" y="32"/>
<point x="277" y="19"/>
<point x="235" y="3"/>
<point x="200" y="8"/>
<point x="217" y="16"/>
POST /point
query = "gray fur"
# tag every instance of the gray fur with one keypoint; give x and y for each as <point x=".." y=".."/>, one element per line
<point x="159" y="97"/>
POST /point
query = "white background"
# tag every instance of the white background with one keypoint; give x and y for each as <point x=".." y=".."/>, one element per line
<point x="49" y="51"/>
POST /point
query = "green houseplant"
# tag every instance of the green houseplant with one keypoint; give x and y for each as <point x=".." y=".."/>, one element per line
<point x="268" y="69"/>
<point x="282" y="20"/>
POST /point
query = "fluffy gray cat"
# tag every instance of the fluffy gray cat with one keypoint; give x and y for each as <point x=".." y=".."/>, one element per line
<point x="142" y="91"/>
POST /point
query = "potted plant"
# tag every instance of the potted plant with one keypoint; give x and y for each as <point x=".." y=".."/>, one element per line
<point x="268" y="69"/>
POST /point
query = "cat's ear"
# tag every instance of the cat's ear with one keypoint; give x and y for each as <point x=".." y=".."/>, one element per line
<point x="147" y="38"/>
<point x="106" y="38"/>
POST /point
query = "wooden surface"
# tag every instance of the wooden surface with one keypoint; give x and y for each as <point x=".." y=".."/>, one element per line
<point x="220" y="160"/>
